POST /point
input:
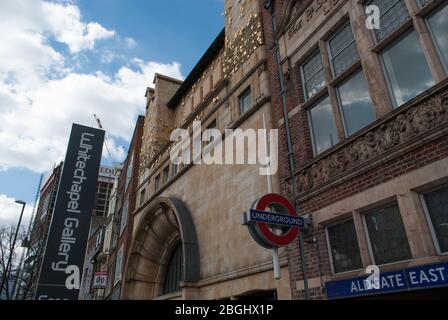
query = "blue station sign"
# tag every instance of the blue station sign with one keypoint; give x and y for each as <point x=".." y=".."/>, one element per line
<point x="275" y="218"/>
<point x="422" y="277"/>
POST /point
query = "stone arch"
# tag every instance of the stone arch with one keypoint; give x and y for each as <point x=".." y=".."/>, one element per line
<point x="165" y="222"/>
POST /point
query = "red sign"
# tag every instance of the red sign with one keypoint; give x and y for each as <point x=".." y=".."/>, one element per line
<point x="268" y="233"/>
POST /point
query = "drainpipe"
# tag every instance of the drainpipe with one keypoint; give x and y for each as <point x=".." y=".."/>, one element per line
<point x="269" y="5"/>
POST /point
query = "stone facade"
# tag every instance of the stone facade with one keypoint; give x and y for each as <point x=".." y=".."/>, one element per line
<point x="395" y="159"/>
<point x="200" y="206"/>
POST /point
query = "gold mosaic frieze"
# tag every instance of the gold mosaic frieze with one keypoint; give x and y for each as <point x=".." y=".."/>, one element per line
<point x="240" y="46"/>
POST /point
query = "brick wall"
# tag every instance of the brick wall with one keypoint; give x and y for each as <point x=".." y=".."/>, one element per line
<point x="302" y="150"/>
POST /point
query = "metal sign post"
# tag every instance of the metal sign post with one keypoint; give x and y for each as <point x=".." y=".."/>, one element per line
<point x="273" y="223"/>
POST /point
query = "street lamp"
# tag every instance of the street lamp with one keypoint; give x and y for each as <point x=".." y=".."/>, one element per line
<point x="8" y="266"/>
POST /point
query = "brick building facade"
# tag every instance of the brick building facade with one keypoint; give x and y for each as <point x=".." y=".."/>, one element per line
<point x="367" y="112"/>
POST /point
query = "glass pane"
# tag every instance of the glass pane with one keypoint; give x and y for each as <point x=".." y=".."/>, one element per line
<point x="313" y="75"/>
<point x="437" y="204"/>
<point x="312" y="66"/>
<point x="345" y="59"/>
<point x="316" y="83"/>
<point x="388" y="238"/>
<point x="439" y="27"/>
<point x="343" y="50"/>
<point x="322" y="124"/>
<point x="246" y="101"/>
<point x="344" y="247"/>
<point x="355" y="102"/>
<point x="407" y="69"/>
<point x="393" y="14"/>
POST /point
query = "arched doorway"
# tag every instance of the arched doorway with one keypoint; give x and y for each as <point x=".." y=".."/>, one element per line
<point x="165" y="232"/>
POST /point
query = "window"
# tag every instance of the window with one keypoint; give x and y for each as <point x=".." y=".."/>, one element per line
<point x="322" y="126"/>
<point x="436" y="208"/>
<point x="313" y="76"/>
<point x="342" y="50"/>
<point x="124" y="216"/>
<point x="174" y="271"/>
<point x="157" y="183"/>
<point x="387" y="238"/>
<point x="175" y="170"/>
<point x="245" y="101"/>
<point x="118" y="266"/>
<point x="356" y="106"/>
<point x="142" y="196"/>
<point x="166" y="175"/>
<point x="129" y="171"/>
<point x="406" y="69"/>
<point x="107" y="239"/>
<point x="344" y="248"/>
<point x="393" y="14"/>
<point x="438" y="24"/>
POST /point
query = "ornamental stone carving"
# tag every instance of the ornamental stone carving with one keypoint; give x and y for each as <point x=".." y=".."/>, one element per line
<point x="240" y="46"/>
<point x="411" y="123"/>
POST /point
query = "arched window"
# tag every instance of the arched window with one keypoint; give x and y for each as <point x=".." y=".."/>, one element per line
<point x="174" y="271"/>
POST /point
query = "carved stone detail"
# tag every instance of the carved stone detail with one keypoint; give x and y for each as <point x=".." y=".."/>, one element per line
<point x="413" y="122"/>
<point x="290" y="10"/>
<point x="242" y="46"/>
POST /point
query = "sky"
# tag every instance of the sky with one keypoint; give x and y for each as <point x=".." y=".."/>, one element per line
<point x="61" y="61"/>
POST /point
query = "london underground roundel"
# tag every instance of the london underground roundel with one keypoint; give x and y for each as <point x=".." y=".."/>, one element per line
<point x="273" y="221"/>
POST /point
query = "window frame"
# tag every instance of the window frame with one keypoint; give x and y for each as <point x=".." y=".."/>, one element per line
<point x="166" y="175"/>
<point x="246" y="93"/>
<point x="330" y="56"/>
<point x="117" y="279"/>
<point x="142" y="197"/>
<point x="429" y="220"/>
<point x="174" y="169"/>
<point x="310" y="124"/>
<point x="388" y="81"/>
<point x="327" y="237"/>
<point x="391" y="33"/>
<point x="302" y="74"/>
<point x="340" y="105"/>
<point x="369" y="243"/>
<point x="426" y="18"/>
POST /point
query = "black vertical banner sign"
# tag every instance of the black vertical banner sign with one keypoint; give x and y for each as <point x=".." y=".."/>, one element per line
<point x="61" y="271"/>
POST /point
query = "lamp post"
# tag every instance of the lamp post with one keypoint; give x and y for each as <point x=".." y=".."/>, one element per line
<point x="8" y="265"/>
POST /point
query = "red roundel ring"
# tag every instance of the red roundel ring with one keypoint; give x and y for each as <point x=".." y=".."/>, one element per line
<point x="292" y="233"/>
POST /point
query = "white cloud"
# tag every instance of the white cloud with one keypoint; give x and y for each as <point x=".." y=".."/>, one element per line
<point x="40" y="96"/>
<point x="130" y="43"/>
<point x="59" y="20"/>
<point x="10" y="212"/>
<point x="35" y="131"/>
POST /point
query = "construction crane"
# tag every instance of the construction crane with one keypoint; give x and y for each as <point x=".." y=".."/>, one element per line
<point x="100" y="126"/>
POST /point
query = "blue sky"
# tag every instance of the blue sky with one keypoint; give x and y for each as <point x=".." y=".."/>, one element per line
<point x="64" y="60"/>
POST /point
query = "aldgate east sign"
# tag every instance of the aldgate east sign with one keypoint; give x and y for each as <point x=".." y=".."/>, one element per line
<point x="421" y="277"/>
<point x="60" y="274"/>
